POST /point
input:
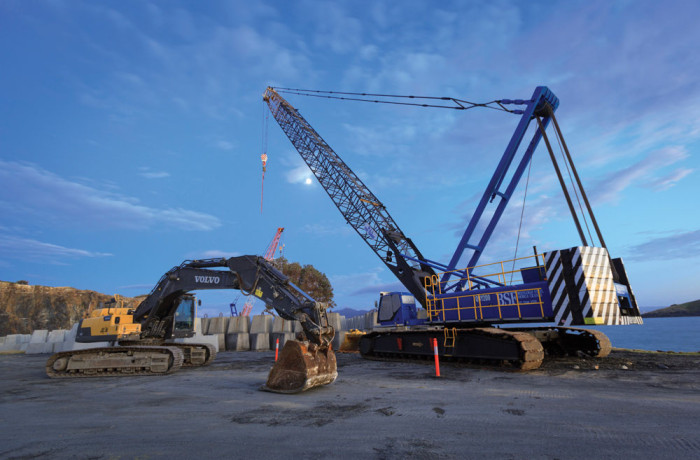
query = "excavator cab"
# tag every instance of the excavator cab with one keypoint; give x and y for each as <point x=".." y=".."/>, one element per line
<point x="185" y="313"/>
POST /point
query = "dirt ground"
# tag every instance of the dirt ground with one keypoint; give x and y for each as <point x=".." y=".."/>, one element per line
<point x="632" y="405"/>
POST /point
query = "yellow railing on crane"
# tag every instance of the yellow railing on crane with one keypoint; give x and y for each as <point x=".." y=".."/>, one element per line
<point x="467" y="305"/>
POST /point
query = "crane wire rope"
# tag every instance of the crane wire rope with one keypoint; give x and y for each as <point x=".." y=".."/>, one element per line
<point x="460" y="104"/>
<point x="573" y="186"/>
<point x="263" y="142"/>
<point x="520" y="226"/>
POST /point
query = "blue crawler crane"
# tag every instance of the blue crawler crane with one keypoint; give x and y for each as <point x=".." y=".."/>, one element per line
<point x="459" y="306"/>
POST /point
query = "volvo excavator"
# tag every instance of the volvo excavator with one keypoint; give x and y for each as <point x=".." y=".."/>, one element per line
<point x="145" y="336"/>
<point x="466" y="307"/>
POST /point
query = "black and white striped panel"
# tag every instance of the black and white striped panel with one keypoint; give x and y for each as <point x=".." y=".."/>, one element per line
<point x="595" y="285"/>
<point x="557" y="286"/>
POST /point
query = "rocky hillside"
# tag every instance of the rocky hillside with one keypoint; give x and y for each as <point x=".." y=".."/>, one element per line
<point x="24" y="308"/>
<point x="684" y="309"/>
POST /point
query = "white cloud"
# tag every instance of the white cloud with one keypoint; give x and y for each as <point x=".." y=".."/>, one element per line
<point x="28" y="249"/>
<point x="671" y="179"/>
<point x="224" y="145"/>
<point x="214" y="254"/>
<point x="319" y="229"/>
<point x="148" y="174"/>
<point x="681" y="245"/>
<point x="609" y="187"/>
<point x="299" y="175"/>
<point x="31" y="191"/>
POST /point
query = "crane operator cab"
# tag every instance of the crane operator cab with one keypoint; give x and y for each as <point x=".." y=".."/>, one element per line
<point x="399" y="309"/>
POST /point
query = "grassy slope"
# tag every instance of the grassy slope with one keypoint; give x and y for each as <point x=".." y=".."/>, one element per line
<point x="684" y="309"/>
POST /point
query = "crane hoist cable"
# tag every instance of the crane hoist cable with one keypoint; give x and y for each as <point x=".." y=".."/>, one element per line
<point x="263" y="156"/>
<point x="520" y="226"/>
<point x="460" y="104"/>
<point x="573" y="186"/>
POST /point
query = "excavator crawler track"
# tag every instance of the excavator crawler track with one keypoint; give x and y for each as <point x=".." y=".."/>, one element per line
<point x="483" y="346"/>
<point x="196" y="354"/>
<point x="115" y="361"/>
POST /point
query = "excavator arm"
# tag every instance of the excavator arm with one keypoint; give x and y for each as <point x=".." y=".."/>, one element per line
<point x="253" y="275"/>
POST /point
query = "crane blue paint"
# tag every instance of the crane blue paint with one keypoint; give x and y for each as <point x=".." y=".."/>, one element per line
<point x="575" y="286"/>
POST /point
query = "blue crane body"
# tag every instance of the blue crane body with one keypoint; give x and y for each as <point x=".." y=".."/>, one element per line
<point x="575" y="286"/>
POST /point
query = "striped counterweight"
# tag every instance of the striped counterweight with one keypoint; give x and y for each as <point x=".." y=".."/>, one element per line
<point x="582" y="288"/>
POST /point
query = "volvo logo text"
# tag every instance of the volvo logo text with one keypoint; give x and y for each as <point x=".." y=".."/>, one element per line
<point x="207" y="279"/>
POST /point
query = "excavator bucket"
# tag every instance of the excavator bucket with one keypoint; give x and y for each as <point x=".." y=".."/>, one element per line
<point x="302" y="365"/>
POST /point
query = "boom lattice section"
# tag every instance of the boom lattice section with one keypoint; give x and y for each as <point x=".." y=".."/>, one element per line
<point x="361" y="209"/>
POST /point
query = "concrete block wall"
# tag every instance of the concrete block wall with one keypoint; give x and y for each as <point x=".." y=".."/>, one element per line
<point x="282" y="337"/>
<point x="238" y="341"/>
<point x="238" y="333"/>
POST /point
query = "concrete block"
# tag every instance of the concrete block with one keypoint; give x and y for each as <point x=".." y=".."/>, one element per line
<point x="238" y="324"/>
<point x="222" y="341"/>
<point x="72" y="333"/>
<point x="282" y="325"/>
<point x="334" y="320"/>
<point x="56" y="336"/>
<point x="261" y="324"/>
<point x="218" y="325"/>
<point x="198" y="326"/>
<point x="338" y="339"/>
<point x="9" y="343"/>
<point x="39" y="336"/>
<point x="2" y="340"/>
<point x="24" y="338"/>
<point x="39" y="348"/>
<point x="238" y="341"/>
<point x="282" y="336"/>
<point x="370" y="320"/>
<point x="358" y="322"/>
<point x="199" y="338"/>
<point x="297" y="327"/>
<point x="259" y="341"/>
<point x="205" y="325"/>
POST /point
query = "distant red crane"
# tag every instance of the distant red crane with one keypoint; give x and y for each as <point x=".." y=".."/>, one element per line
<point x="269" y="255"/>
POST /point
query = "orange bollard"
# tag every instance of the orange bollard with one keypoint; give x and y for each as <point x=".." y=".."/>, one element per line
<point x="277" y="349"/>
<point x="437" y="360"/>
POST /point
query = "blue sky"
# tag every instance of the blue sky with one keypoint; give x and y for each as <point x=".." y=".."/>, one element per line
<point x="131" y="133"/>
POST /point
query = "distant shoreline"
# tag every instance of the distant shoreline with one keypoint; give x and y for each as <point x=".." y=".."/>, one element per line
<point x="654" y="314"/>
<point x="676" y="311"/>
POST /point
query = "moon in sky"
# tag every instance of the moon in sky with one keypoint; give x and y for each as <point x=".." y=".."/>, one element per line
<point x="308" y="181"/>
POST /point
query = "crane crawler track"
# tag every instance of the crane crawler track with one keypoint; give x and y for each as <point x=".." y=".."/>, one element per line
<point x="114" y="361"/>
<point x="572" y="341"/>
<point x="483" y="346"/>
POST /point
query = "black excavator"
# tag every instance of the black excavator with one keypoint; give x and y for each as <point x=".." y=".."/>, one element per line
<point x="145" y="337"/>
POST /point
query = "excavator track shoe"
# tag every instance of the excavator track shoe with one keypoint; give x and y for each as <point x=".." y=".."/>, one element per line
<point x="301" y="366"/>
<point x="114" y="361"/>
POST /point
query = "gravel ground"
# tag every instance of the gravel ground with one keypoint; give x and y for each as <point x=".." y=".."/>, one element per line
<point x="629" y="405"/>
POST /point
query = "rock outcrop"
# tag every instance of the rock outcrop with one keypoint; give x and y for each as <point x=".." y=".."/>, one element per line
<point x="25" y="308"/>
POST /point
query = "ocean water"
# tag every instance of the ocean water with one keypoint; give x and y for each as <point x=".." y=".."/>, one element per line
<point x="666" y="334"/>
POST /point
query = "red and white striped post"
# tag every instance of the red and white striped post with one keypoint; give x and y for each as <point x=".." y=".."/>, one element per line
<point x="277" y="348"/>
<point x="437" y="360"/>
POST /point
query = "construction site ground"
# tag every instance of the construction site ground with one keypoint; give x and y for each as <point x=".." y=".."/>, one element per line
<point x="629" y="405"/>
